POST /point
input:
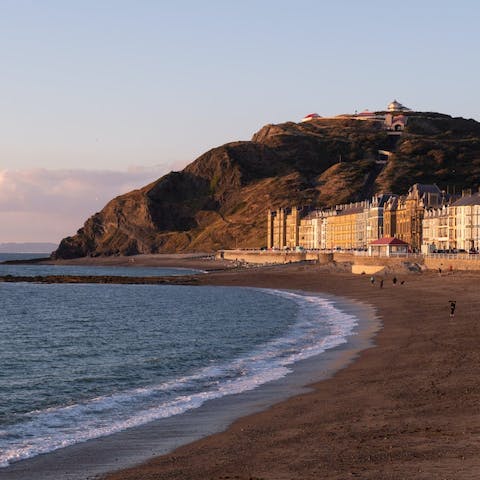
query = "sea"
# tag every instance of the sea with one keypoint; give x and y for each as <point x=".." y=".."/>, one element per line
<point x="85" y="361"/>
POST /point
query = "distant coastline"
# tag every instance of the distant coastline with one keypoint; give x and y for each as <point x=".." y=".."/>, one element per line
<point x="28" y="247"/>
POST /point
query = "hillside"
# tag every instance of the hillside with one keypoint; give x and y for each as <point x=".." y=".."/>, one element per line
<point x="220" y="200"/>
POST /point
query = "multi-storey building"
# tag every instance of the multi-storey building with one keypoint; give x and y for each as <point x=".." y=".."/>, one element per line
<point x="346" y="229"/>
<point x="312" y="230"/>
<point x="283" y="227"/>
<point x="357" y="225"/>
<point x="403" y="216"/>
<point x="375" y="216"/>
<point x="465" y="222"/>
<point x="435" y="229"/>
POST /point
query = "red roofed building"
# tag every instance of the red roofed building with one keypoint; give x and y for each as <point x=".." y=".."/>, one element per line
<point x="367" y="113"/>
<point x="387" y="246"/>
<point x="310" y="116"/>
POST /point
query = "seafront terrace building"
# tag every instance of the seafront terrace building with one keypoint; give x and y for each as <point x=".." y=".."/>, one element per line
<point x="465" y="222"/>
<point x="346" y="226"/>
<point x="436" y="231"/>
<point x="346" y="229"/>
<point x="375" y="218"/>
<point x="426" y="219"/>
<point x="403" y="216"/>
<point x="283" y="227"/>
<point x="312" y="231"/>
<point x="355" y="226"/>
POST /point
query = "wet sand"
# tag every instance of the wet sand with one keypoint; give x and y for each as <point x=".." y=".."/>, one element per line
<point x="406" y="408"/>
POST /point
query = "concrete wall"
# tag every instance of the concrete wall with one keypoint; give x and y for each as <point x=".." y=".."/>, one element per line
<point x="386" y="261"/>
<point x="363" y="263"/>
<point x="455" y="264"/>
<point x="260" y="257"/>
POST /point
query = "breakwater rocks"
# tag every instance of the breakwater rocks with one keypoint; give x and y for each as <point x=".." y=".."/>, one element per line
<point x="103" y="279"/>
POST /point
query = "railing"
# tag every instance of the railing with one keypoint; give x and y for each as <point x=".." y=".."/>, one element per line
<point x="454" y="256"/>
<point x="362" y="253"/>
<point x="391" y="254"/>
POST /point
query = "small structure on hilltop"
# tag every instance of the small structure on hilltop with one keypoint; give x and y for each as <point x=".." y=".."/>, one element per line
<point x="395" y="123"/>
<point x="367" y="114"/>
<point x="309" y="117"/>
<point x="397" y="107"/>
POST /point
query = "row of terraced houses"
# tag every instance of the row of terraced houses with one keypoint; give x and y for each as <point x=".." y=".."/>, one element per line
<point x="424" y="220"/>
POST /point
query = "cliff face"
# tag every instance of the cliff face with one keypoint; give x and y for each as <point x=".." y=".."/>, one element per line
<point x="220" y="200"/>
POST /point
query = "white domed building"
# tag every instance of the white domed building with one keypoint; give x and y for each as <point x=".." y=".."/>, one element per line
<point x="397" y="107"/>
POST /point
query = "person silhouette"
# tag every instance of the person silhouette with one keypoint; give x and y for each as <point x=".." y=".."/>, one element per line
<point x="453" y="305"/>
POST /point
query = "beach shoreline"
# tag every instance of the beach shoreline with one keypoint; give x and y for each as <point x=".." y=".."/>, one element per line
<point x="407" y="408"/>
<point x="140" y="444"/>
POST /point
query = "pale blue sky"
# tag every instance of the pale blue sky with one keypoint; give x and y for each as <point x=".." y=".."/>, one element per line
<point x="108" y="85"/>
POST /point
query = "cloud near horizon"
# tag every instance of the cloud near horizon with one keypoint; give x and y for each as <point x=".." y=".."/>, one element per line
<point x="42" y="205"/>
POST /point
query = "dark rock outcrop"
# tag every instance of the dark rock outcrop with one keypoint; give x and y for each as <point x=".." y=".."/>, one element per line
<point x="219" y="200"/>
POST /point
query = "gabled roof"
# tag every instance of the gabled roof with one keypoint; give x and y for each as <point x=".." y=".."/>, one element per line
<point x="388" y="241"/>
<point x="351" y="210"/>
<point x="468" y="200"/>
<point x="423" y="188"/>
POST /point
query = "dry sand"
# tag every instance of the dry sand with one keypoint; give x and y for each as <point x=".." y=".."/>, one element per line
<point x="407" y="408"/>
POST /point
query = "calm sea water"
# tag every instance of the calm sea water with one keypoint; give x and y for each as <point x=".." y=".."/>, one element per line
<point x="34" y="270"/>
<point x="83" y="361"/>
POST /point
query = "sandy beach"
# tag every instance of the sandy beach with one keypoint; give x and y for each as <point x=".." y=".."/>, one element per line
<point x="406" y="408"/>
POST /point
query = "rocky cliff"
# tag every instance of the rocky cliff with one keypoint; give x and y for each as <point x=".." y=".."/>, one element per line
<point x="220" y="200"/>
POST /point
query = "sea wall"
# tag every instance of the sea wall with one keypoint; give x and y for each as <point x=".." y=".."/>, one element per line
<point x="268" y="256"/>
<point x="446" y="264"/>
<point x="364" y="263"/>
<point x="385" y="261"/>
<point x="261" y="256"/>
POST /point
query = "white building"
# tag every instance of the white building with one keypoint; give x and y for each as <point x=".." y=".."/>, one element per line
<point x="466" y="224"/>
<point x="397" y="107"/>
<point x="435" y="229"/>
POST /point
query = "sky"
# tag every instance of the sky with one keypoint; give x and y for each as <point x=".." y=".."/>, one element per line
<point x="100" y="97"/>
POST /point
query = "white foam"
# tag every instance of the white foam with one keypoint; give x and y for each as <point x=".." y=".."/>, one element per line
<point x="319" y="326"/>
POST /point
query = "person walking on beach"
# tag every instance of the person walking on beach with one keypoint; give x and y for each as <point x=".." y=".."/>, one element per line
<point x="394" y="280"/>
<point x="381" y="283"/>
<point x="372" y="279"/>
<point x="453" y="305"/>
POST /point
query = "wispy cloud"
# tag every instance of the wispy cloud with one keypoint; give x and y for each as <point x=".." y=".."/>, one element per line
<point x="46" y="205"/>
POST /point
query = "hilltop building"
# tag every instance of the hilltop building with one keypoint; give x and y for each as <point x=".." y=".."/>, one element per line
<point x="394" y="120"/>
<point x="309" y="117"/>
<point x="397" y="107"/>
